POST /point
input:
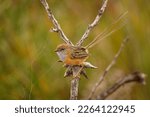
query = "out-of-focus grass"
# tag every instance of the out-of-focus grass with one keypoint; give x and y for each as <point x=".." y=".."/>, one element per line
<point x="28" y="64"/>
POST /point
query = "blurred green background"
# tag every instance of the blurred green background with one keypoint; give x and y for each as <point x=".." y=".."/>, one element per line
<point x="28" y="64"/>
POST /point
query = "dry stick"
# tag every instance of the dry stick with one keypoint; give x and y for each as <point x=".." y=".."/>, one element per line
<point x="74" y="89"/>
<point x="93" y="24"/>
<point x="101" y="78"/>
<point x="134" y="77"/>
<point x="74" y="83"/>
<point x="55" y="22"/>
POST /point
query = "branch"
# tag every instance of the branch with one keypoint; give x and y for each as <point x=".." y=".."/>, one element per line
<point x="55" y="23"/>
<point x="74" y="83"/>
<point x="93" y="24"/>
<point x="134" y="77"/>
<point x="74" y="89"/>
<point x="101" y="78"/>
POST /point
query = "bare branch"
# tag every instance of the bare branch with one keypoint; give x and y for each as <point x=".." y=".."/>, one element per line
<point x="74" y="89"/>
<point x="93" y="24"/>
<point x="74" y="83"/>
<point x="101" y="78"/>
<point x="55" y="22"/>
<point x="134" y="77"/>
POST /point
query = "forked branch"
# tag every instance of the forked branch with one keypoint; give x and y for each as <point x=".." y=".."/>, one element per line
<point x="134" y="77"/>
<point x="93" y="24"/>
<point x="55" y="23"/>
<point x="75" y="81"/>
<point x="101" y="78"/>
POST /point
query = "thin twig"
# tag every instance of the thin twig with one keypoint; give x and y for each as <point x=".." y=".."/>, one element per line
<point x="134" y="77"/>
<point x="93" y="24"/>
<point x="55" y="22"/>
<point x="101" y="78"/>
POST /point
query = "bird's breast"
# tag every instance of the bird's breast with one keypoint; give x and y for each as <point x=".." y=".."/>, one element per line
<point x="61" y="56"/>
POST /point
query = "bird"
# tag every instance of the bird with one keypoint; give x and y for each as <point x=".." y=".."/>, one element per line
<point x="74" y="59"/>
<point x="72" y="55"/>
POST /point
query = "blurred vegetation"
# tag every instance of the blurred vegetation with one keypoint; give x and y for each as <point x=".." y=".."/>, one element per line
<point x="28" y="64"/>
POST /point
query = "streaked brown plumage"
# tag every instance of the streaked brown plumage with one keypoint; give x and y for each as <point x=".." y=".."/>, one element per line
<point x="71" y="55"/>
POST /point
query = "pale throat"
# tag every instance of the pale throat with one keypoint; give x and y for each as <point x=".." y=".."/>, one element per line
<point x="62" y="56"/>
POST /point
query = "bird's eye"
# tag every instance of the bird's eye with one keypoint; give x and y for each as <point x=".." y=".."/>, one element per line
<point x="62" y="49"/>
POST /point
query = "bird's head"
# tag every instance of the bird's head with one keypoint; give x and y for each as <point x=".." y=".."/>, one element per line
<point x="61" y="51"/>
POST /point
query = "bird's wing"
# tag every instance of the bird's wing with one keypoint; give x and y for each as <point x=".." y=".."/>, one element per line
<point x="79" y="53"/>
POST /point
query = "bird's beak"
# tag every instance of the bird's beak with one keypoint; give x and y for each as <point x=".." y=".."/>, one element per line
<point x="56" y="50"/>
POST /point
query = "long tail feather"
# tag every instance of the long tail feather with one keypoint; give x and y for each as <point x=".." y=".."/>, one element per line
<point x="106" y="32"/>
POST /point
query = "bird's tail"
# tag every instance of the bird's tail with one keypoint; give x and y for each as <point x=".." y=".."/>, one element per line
<point x="107" y="31"/>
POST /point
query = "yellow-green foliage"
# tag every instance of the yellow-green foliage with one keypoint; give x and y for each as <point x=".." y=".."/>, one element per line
<point x="28" y="64"/>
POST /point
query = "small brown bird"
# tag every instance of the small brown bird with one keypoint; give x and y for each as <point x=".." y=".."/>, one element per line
<point x="72" y="55"/>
